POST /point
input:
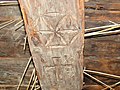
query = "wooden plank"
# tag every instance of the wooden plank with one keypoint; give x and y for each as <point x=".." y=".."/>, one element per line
<point x="11" y="42"/>
<point x="103" y="6"/>
<point x="11" y="70"/>
<point x="55" y="34"/>
<point x="106" y="48"/>
<point x="102" y="15"/>
<point x="102" y="54"/>
<point x="97" y="87"/>
<point x="12" y="87"/>
<point x="103" y="10"/>
<point x="103" y="1"/>
<point x="9" y="13"/>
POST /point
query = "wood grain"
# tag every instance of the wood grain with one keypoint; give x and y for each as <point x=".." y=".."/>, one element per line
<point x="55" y="35"/>
<point x="100" y="53"/>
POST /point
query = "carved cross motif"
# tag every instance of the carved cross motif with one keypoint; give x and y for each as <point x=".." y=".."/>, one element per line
<point x="58" y="70"/>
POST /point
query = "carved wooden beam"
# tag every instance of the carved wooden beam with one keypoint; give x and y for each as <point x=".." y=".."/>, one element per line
<point x="55" y="30"/>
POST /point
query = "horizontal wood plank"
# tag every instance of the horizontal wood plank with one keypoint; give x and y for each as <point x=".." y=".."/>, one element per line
<point x="103" y="6"/>
<point x="97" y="87"/>
<point x="11" y="70"/>
<point x="102" y="15"/>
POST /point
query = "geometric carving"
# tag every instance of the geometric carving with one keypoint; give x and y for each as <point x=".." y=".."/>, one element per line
<point x="60" y="73"/>
<point x="63" y="34"/>
<point x="54" y="38"/>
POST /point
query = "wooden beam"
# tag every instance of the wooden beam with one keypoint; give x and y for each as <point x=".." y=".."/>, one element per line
<point x="55" y="31"/>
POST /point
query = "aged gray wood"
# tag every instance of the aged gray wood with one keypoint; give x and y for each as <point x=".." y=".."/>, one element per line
<point x="55" y="30"/>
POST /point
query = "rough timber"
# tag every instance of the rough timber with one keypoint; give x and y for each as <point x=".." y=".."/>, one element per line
<point x="55" y="30"/>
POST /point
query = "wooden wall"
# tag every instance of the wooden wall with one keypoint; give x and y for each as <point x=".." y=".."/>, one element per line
<point x="100" y="53"/>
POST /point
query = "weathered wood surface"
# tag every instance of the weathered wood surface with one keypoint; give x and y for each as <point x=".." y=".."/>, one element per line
<point x="55" y="32"/>
<point x="23" y="87"/>
<point x="11" y="70"/>
<point x="96" y="87"/>
<point x="11" y="42"/>
<point x="9" y="12"/>
<point x="103" y="6"/>
<point x="102" y="10"/>
<point x="102" y="15"/>
<point x="100" y="54"/>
